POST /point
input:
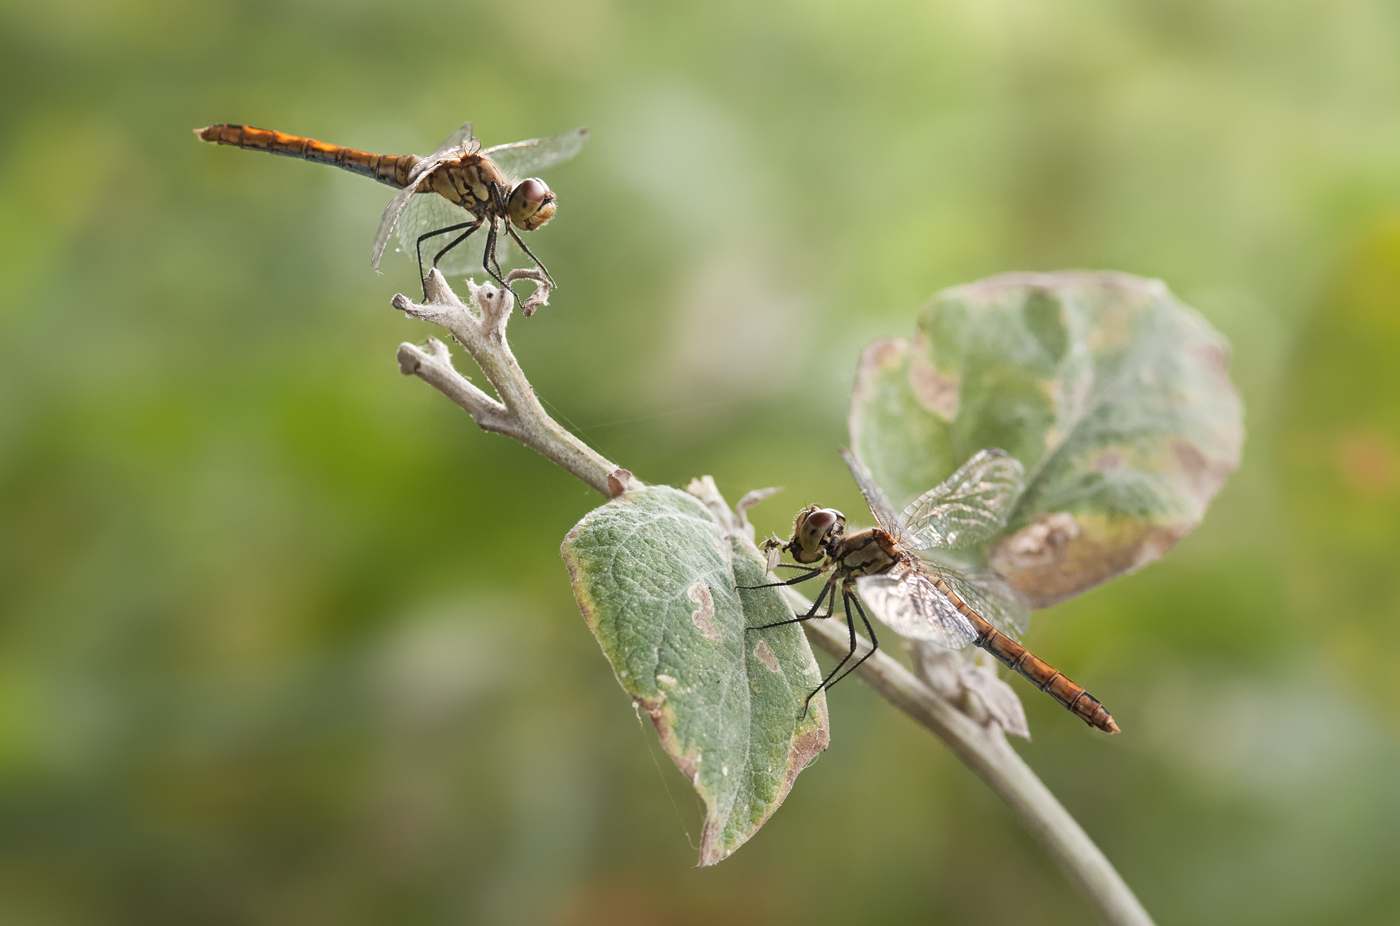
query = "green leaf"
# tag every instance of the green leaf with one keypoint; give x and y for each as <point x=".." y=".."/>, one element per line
<point x="656" y="579"/>
<point x="1114" y="395"/>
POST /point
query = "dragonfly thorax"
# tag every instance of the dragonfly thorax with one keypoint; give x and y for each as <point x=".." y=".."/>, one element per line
<point x="867" y="553"/>
<point x="531" y="204"/>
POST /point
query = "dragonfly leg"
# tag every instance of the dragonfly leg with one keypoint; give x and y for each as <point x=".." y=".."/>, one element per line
<point x="874" y="643"/>
<point x="488" y="257"/>
<point x="526" y="248"/>
<point x="816" y="606"/>
<point x="826" y="682"/>
<point x="797" y="581"/>
<point x="433" y="234"/>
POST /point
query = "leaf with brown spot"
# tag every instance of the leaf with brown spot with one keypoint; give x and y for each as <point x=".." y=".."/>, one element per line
<point x="1114" y="395"/>
<point x="658" y="581"/>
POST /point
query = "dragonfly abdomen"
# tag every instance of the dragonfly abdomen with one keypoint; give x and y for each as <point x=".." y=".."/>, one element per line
<point x="389" y="169"/>
<point x="1034" y="669"/>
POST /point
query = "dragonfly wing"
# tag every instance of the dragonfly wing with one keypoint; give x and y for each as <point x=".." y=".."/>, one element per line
<point x="397" y="205"/>
<point x="910" y="605"/>
<point x="453" y="142"/>
<point x="969" y="506"/>
<point x="880" y="506"/>
<point x="429" y="212"/>
<point x="522" y="159"/>
<point x="988" y="593"/>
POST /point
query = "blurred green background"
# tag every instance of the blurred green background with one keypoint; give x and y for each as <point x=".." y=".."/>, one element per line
<point x="285" y="639"/>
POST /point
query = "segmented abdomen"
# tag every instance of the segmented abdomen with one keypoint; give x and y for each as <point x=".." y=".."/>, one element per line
<point x="390" y="169"/>
<point x="1040" y="673"/>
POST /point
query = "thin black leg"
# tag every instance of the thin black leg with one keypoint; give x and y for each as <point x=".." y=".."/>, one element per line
<point x="874" y="643"/>
<point x="816" y="605"/>
<point x="488" y="257"/>
<point x="800" y="579"/>
<point x="433" y="234"/>
<point x="526" y="248"/>
<point x="454" y="242"/>
<point x="829" y="611"/>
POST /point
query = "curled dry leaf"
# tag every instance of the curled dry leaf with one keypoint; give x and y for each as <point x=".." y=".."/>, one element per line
<point x="540" y="296"/>
<point x="970" y="679"/>
<point x="1114" y="395"/>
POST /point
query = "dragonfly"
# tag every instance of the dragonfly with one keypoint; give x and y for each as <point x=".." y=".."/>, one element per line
<point x="453" y="192"/>
<point x="893" y="568"/>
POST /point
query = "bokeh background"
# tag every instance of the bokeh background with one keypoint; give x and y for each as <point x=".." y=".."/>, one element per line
<point x="285" y="639"/>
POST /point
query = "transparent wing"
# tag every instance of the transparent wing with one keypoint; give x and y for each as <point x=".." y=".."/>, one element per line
<point x="451" y="143"/>
<point x="429" y="212"/>
<point x="880" y="506"/>
<point x="395" y="209"/>
<point x="504" y="252"/>
<point x="522" y="159"/>
<point x="969" y="506"/>
<point x="988" y="593"/>
<point x="909" y="604"/>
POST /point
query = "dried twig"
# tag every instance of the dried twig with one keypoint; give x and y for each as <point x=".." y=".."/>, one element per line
<point x="519" y="415"/>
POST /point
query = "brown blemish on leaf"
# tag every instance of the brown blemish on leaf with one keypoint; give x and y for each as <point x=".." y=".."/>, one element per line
<point x="1048" y="565"/>
<point x="663" y="718"/>
<point x="764" y="654"/>
<point x="703" y="616"/>
<point x="806" y="747"/>
<point x="1041" y="543"/>
<point x="585" y="601"/>
<point x="935" y="392"/>
<point x="1204" y="476"/>
<point x="885" y="354"/>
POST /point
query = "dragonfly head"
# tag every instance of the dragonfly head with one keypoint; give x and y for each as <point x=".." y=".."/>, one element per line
<point x="531" y="204"/>
<point x="816" y="530"/>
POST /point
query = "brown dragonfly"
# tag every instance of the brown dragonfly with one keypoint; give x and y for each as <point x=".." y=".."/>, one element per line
<point x="912" y="594"/>
<point x="462" y="187"/>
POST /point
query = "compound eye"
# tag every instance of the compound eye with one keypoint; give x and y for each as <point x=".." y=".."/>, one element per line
<point x="531" y="204"/>
<point x="533" y="190"/>
<point x="819" y="522"/>
<point x="814" y="528"/>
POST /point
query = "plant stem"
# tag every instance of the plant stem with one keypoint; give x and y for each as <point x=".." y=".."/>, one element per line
<point x="519" y="414"/>
<point x="994" y="761"/>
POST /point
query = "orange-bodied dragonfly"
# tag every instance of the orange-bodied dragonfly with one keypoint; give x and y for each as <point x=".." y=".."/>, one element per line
<point x="462" y="187"/>
<point x="916" y="597"/>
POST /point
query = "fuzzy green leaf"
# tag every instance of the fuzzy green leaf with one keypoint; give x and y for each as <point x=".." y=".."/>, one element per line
<point x="656" y="578"/>
<point x="1114" y="395"/>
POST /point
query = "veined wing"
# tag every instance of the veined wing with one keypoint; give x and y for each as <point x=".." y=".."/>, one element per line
<point x="969" y="506"/>
<point x="455" y="141"/>
<point x="428" y="213"/>
<point x="522" y="159"/>
<point x="880" y="506"/>
<point x="395" y="209"/>
<point x="908" y="603"/>
<point x="456" y="145"/>
<point x="987" y="592"/>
